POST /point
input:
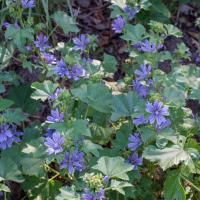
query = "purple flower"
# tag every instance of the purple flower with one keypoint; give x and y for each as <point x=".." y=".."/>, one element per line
<point x="77" y="72"/>
<point x="56" y="94"/>
<point x="54" y="143"/>
<point x="87" y="195"/>
<point x="41" y="42"/>
<point x="29" y="48"/>
<point x="134" y="141"/>
<point x="49" y="132"/>
<point x="144" y="72"/>
<point x="140" y="120"/>
<point x="55" y="116"/>
<point x="8" y="135"/>
<point x="28" y="3"/>
<point x="142" y="90"/>
<point x="131" y="12"/>
<point x="81" y="42"/>
<point x="73" y="162"/>
<point x="157" y="111"/>
<point x="100" y="195"/>
<point x="198" y="59"/>
<point x="135" y="160"/>
<point x="146" y="46"/>
<point x="5" y="25"/>
<point x="106" y="179"/>
<point x="118" y="25"/>
<point x="62" y="70"/>
<point x="49" y="58"/>
<point x="163" y="125"/>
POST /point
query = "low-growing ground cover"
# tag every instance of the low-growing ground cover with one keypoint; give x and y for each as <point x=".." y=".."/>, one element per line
<point x="99" y="99"/>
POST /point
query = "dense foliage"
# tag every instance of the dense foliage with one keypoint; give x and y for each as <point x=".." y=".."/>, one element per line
<point x="70" y="131"/>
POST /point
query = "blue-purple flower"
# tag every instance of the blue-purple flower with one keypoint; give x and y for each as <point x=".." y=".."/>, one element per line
<point x="49" y="58"/>
<point x="140" y="120"/>
<point x="77" y="72"/>
<point x="198" y="58"/>
<point x="135" y="160"/>
<point x="8" y="135"/>
<point x="28" y="3"/>
<point x="56" y="94"/>
<point x="54" y="143"/>
<point x="49" y="132"/>
<point x="81" y="42"/>
<point x="134" y="141"/>
<point x="158" y="112"/>
<point x="106" y="179"/>
<point x="131" y="12"/>
<point x="62" y="70"/>
<point x="41" y="42"/>
<point x="55" y="116"/>
<point x="142" y="90"/>
<point x="73" y="162"/>
<point x="100" y="195"/>
<point x="146" y="46"/>
<point x="144" y="72"/>
<point x="163" y="125"/>
<point x="118" y="25"/>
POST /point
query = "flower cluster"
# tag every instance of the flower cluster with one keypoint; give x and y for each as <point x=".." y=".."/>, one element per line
<point x="134" y="142"/>
<point x="55" y="116"/>
<point x="56" y="94"/>
<point x="131" y="12"/>
<point x="54" y="143"/>
<point x="41" y="42"/>
<point x="118" y="25"/>
<point x="73" y="73"/>
<point x="73" y="162"/>
<point x="28" y="3"/>
<point x="81" y="42"/>
<point x="9" y="135"/>
<point x="146" y="46"/>
<point x="143" y="82"/>
<point x="100" y="195"/>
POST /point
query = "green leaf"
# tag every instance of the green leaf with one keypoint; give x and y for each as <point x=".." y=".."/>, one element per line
<point x="195" y="94"/>
<point x="14" y="116"/>
<point x="5" y="55"/>
<point x="125" y="105"/>
<point x="95" y="95"/>
<point x="134" y="33"/>
<point x="67" y="23"/>
<point x="119" y="185"/>
<point x="173" y="188"/>
<point x="168" y="156"/>
<point x="114" y="167"/>
<point x="32" y="166"/>
<point x="68" y="193"/>
<point x="2" y="88"/>
<point x="21" y="95"/>
<point x="79" y="128"/>
<point x="4" y="188"/>
<point x="5" y="103"/>
<point x="148" y="134"/>
<point x="9" y="171"/>
<point x="90" y="147"/>
<point x="43" y="90"/>
<point x="175" y="93"/>
<point x="109" y="63"/>
<point x="19" y="36"/>
<point x="172" y="30"/>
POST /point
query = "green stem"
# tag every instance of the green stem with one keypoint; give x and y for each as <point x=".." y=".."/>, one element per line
<point x="190" y="183"/>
